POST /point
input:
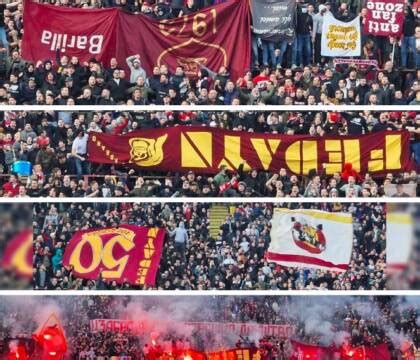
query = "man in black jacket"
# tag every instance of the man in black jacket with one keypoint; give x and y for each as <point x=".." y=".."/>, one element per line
<point x="409" y="40"/>
<point x="302" y="52"/>
<point x="117" y="86"/>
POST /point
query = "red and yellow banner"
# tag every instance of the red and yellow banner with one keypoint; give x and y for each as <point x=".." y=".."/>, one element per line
<point x="127" y="253"/>
<point x="206" y="149"/>
<point x="157" y="353"/>
<point x="235" y="354"/>
<point x="18" y="254"/>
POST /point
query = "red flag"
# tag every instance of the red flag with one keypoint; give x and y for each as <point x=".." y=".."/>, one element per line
<point x="378" y="352"/>
<point x="18" y="254"/>
<point x="51" y="339"/>
<point x="208" y="37"/>
<point x="303" y="351"/>
<point x="17" y="351"/>
<point x="384" y="17"/>
<point x="126" y="253"/>
<point x="84" y="33"/>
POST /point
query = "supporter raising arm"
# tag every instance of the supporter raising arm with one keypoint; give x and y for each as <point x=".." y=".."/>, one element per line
<point x="134" y="63"/>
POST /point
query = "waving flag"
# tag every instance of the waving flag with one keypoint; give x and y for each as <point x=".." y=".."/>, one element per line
<point x="399" y="240"/>
<point x="311" y="238"/>
<point x="126" y="253"/>
<point x="18" y="254"/>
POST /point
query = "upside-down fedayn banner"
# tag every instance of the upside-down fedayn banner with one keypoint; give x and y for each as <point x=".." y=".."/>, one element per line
<point x="206" y="149"/>
<point x="311" y="239"/>
<point x="229" y="354"/>
<point x="126" y="253"/>
<point x="208" y="37"/>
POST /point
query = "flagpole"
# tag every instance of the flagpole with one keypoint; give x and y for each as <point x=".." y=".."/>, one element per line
<point x="393" y="52"/>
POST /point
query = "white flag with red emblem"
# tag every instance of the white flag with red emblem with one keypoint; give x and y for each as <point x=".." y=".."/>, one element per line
<point x="399" y="240"/>
<point x="311" y="239"/>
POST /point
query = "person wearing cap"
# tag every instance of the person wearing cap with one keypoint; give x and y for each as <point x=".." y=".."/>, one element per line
<point x="73" y="90"/>
<point x="134" y="64"/>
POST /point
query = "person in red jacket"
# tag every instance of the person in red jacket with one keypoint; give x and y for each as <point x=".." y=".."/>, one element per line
<point x="11" y="188"/>
<point x="349" y="171"/>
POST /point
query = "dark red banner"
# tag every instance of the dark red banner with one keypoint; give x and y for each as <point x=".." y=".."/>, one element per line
<point x="18" y="255"/>
<point x="310" y="352"/>
<point x="157" y="353"/>
<point x="345" y="352"/>
<point x="84" y="33"/>
<point x="127" y="253"/>
<point x="214" y="37"/>
<point x="384" y="18"/>
<point x="208" y="38"/>
<point x="207" y="149"/>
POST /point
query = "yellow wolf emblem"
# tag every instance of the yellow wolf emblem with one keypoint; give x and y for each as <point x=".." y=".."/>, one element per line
<point x="147" y="152"/>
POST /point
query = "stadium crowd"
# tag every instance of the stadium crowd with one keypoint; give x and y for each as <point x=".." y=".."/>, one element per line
<point x="45" y="154"/>
<point x="391" y="318"/>
<point x="192" y="259"/>
<point x="278" y="75"/>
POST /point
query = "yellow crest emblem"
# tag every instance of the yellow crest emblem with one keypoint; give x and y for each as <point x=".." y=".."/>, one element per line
<point x="147" y="152"/>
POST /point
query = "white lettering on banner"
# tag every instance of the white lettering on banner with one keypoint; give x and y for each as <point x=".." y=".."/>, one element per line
<point x="245" y="329"/>
<point x="384" y="17"/>
<point x="381" y="6"/>
<point x="66" y="41"/>
<point x="116" y="325"/>
<point x="137" y="327"/>
<point x="377" y="27"/>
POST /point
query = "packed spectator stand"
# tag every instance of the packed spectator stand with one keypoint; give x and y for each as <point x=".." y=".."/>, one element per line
<point x="45" y="154"/>
<point x="282" y="73"/>
<point x="194" y="259"/>
<point x="362" y="322"/>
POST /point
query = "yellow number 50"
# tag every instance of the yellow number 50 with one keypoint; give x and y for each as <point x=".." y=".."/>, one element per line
<point x="102" y="254"/>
